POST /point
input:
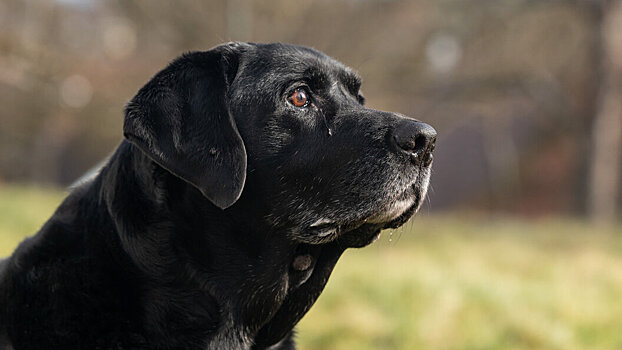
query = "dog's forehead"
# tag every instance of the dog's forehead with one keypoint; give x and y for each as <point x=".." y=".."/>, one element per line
<point x="290" y="60"/>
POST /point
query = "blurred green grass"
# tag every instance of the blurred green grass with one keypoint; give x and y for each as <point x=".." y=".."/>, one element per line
<point x="23" y="210"/>
<point x="443" y="282"/>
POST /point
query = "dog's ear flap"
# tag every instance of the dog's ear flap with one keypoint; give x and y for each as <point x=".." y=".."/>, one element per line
<point x="181" y="120"/>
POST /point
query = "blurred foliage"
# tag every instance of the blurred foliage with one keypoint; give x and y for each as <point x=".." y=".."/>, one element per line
<point x="511" y="85"/>
<point x="443" y="282"/>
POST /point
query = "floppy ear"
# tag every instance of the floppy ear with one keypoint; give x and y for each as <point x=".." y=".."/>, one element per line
<point x="181" y="120"/>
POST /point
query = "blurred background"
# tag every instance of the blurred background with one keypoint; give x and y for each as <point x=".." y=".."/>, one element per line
<point x="520" y="243"/>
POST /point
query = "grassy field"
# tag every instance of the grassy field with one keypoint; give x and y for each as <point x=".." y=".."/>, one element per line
<point x="444" y="282"/>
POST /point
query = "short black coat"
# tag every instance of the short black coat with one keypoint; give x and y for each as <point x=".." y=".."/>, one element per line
<point x="217" y="222"/>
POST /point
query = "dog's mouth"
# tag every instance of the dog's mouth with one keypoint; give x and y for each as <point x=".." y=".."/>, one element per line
<point x="366" y="228"/>
<point x="396" y="208"/>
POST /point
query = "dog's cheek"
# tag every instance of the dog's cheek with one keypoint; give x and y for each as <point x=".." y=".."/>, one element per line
<point x="276" y="137"/>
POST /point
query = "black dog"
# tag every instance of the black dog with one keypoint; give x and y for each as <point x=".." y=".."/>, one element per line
<point x="247" y="170"/>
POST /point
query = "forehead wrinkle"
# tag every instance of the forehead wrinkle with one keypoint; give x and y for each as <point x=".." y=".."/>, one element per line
<point x="292" y="63"/>
<point x="300" y="67"/>
<point x="332" y="77"/>
<point x="317" y="76"/>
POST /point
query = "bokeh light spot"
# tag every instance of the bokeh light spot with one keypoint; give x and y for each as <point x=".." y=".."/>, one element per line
<point x="76" y="91"/>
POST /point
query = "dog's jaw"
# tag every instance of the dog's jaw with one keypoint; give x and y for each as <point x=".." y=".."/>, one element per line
<point x="397" y="211"/>
<point x="365" y="228"/>
<point x="394" y="209"/>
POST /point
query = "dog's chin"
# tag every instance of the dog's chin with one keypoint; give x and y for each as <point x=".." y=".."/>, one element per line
<point x="365" y="229"/>
<point x="396" y="208"/>
<point x="393" y="215"/>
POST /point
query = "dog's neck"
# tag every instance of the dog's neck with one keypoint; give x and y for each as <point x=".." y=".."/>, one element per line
<point x="266" y="281"/>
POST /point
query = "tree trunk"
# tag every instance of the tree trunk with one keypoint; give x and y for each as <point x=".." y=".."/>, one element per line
<point x="607" y="128"/>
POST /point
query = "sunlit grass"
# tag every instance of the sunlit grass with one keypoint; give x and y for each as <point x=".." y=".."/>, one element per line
<point x="444" y="282"/>
<point x="23" y="210"/>
<point x="450" y="283"/>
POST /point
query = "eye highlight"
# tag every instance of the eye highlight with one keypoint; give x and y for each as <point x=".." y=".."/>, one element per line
<point x="299" y="97"/>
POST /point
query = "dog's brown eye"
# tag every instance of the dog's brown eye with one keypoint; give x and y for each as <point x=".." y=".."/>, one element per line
<point x="299" y="98"/>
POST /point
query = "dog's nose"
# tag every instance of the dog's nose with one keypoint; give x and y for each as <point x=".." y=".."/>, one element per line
<point x="416" y="138"/>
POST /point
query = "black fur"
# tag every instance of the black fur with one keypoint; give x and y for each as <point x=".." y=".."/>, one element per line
<point x="217" y="223"/>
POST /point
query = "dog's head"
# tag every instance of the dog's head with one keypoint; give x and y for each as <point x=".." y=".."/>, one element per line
<point x="290" y="123"/>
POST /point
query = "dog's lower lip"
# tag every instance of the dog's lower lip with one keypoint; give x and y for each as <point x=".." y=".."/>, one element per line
<point x="393" y="209"/>
<point x="399" y="221"/>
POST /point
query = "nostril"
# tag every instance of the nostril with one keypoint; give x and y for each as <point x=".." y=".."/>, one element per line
<point x="420" y="143"/>
<point x="416" y="138"/>
<point x="407" y="144"/>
